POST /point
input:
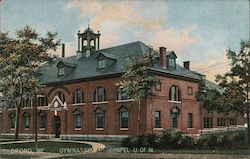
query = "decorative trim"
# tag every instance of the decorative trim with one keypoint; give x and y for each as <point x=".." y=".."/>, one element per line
<point x="158" y="129"/>
<point x="78" y="104"/>
<point x="96" y="103"/>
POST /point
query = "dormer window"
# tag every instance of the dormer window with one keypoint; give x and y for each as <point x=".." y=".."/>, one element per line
<point x="61" y="71"/>
<point x="171" y="62"/>
<point x="101" y="64"/>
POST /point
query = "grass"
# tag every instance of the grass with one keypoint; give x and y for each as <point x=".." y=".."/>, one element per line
<point x="48" y="146"/>
<point x="17" y="156"/>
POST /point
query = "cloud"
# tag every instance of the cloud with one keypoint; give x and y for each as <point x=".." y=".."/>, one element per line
<point x="174" y="39"/>
<point x="216" y="63"/>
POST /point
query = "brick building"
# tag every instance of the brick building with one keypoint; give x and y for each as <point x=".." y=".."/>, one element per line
<point x="82" y="100"/>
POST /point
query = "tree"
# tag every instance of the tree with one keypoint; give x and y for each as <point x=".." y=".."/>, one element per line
<point x="137" y="81"/>
<point x="237" y="80"/>
<point x="20" y="59"/>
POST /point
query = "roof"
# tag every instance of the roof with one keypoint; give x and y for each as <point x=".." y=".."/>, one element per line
<point x="211" y="85"/>
<point x="85" y="68"/>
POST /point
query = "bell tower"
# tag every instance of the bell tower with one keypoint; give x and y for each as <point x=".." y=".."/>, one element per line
<point x="88" y="41"/>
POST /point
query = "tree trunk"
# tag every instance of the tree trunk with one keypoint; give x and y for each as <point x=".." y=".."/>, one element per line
<point x="138" y="117"/>
<point x="17" y="122"/>
<point x="248" y="126"/>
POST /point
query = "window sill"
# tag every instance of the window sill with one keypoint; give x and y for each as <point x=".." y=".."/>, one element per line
<point x="158" y="128"/>
<point x="78" y="129"/>
<point x="42" y="129"/>
<point x="124" y="129"/>
<point x="78" y="104"/>
<point x="26" y="128"/>
<point x="190" y="128"/>
<point x="12" y="129"/>
<point x="171" y="101"/>
<point x="27" y="108"/>
<point x="99" y="129"/>
<point x="104" y="102"/>
<point x="11" y="108"/>
<point x="123" y="101"/>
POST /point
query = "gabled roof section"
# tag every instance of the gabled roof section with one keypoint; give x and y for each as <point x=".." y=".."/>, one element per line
<point x="171" y="53"/>
<point x="108" y="56"/>
<point x="86" y="68"/>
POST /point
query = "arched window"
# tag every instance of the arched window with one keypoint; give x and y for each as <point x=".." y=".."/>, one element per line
<point x="60" y="94"/>
<point x="26" y="102"/>
<point x="99" y="94"/>
<point x="121" y="95"/>
<point x="43" y="120"/>
<point x="42" y="100"/>
<point x="78" y="96"/>
<point x="174" y="93"/>
<point x="26" y="120"/>
<point x="12" y="120"/>
<point x="78" y="116"/>
<point x="100" y="119"/>
<point x="124" y="118"/>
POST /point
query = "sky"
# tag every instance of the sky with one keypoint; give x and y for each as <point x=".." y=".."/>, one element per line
<point x="198" y="31"/>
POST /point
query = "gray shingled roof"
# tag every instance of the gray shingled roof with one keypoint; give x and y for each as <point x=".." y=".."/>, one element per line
<point x="87" y="67"/>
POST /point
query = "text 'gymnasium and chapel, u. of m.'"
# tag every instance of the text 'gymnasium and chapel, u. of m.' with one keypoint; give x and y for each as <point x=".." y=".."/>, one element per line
<point x="81" y="98"/>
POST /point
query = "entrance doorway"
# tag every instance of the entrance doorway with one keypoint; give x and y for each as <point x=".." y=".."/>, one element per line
<point x="57" y="122"/>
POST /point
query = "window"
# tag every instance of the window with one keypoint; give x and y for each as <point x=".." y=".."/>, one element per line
<point x="101" y="64"/>
<point x="207" y="122"/>
<point x="26" y="120"/>
<point x="100" y="120"/>
<point x="221" y="122"/>
<point x="12" y="120"/>
<point x="174" y="93"/>
<point x="78" y="96"/>
<point x="42" y="100"/>
<point x="78" y="120"/>
<point x="99" y="95"/>
<point x="171" y="62"/>
<point x="43" y="120"/>
<point x="174" y="116"/>
<point x="61" y="71"/>
<point x="60" y="94"/>
<point x="158" y="119"/>
<point x="190" y="120"/>
<point x="26" y="103"/>
<point x="158" y="87"/>
<point x="124" y="119"/>
<point x="190" y="90"/>
<point x="232" y="121"/>
<point x="121" y="95"/>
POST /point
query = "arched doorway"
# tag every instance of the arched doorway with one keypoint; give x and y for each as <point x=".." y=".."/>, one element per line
<point x="57" y="126"/>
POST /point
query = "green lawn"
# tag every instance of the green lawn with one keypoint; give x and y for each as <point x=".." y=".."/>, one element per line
<point x="49" y="146"/>
<point x="17" y="156"/>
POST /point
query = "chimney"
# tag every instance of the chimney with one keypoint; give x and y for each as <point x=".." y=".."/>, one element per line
<point x="63" y="50"/>
<point x="186" y="65"/>
<point x="163" y="52"/>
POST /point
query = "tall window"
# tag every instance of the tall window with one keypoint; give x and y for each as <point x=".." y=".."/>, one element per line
<point x="78" y="96"/>
<point x="42" y="100"/>
<point x="12" y="120"/>
<point x="124" y="118"/>
<point x="78" y="120"/>
<point x="101" y="64"/>
<point x="43" y="120"/>
<point x="174" y="93"/>
<point x="60" y="71"/>
<point x="99" y="94"/>
<point x="158" y="119"/>
<point x="26" y="118"/>
<point x="174" y="119"/>
<point x="121" y="95"/>
<point x="221" y="122"/>
<point x="100" y="122"/>
<point x="171" y="62"/>
<point x="60" y="94"/>
<point x="190" y="120"/>
<point x="26" y="102"/>
<point x="232" y="121"/>
<point x="207" y="122"/>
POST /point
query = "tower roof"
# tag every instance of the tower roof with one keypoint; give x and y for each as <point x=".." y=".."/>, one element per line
<point x="89" y="30"/>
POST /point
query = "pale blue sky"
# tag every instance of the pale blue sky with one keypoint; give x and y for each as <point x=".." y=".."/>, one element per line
<point x="197" y="30"/>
